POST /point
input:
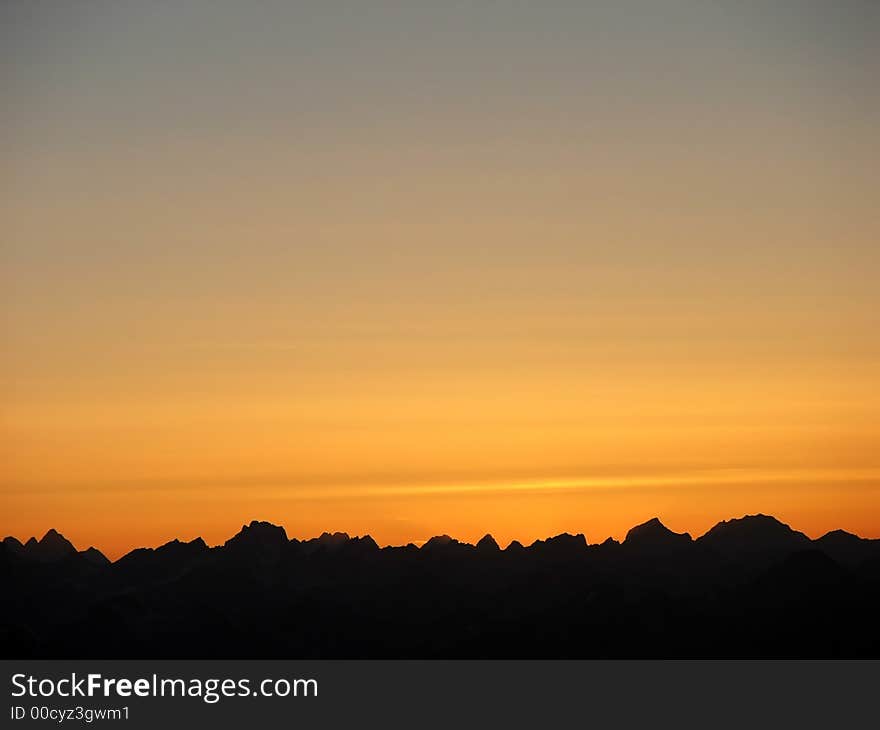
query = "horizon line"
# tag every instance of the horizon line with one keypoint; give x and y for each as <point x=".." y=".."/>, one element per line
<point x="419" y="544"/>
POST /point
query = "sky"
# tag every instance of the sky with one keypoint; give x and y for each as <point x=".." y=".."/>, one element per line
<point x="408" y="268"/>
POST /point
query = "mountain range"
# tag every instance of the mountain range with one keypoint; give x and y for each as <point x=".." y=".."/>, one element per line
<point x="749" y="587"/>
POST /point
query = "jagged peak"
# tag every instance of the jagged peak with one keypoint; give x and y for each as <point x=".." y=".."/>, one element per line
<point x="655" y="532"/>
<point x="259" y="533"/>
<point x="754" y="534"/>
<point x="765" y="524"/>
<point x="262" y="525"/>
<point x="654" y="523"/>
<point x="759" y="518"/>
<point x="52" y="546"/>
<point x="577" y="538"/>
<point x="95" y="556"/>
<point x="439" y="541"/>
<point x="366" y="541"/>
<point x="325" y="541"/>
<point x="333" y="538"/>
<point x="562" y="541"/>
<point x="840" y="535"/>
<point x="175" y="544"/>
<point x="488" y="543"/>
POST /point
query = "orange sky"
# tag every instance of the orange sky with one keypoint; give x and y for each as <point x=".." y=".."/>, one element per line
<point x="437" y="270"/>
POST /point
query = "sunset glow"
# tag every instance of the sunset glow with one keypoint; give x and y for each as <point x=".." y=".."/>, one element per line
<point x="525" y="269"/>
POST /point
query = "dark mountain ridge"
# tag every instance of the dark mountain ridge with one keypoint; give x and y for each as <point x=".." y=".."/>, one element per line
<point x="751" y="586"/>
<point x="754" y="534"/>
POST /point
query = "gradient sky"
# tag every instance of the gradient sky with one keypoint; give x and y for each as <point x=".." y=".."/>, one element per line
<point x="409" y="268"/>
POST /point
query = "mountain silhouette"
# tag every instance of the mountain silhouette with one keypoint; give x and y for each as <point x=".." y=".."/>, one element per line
<point x="52" y="546"/>
<point x="654" y="536"/>
<point x="561" y="544"/>
<point x="145" y="566"/>
<point x="514" y="547"/>
<point x="487" y="544"/>
<point x="754" y="534"/>
<point x="846" y="548"/>
<point x="438" y="542"/>
<point x="258" y="536"/>
<point x="749" y="587"/>
<point x="94" y="556"/>
<point x="326" y="541"/>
